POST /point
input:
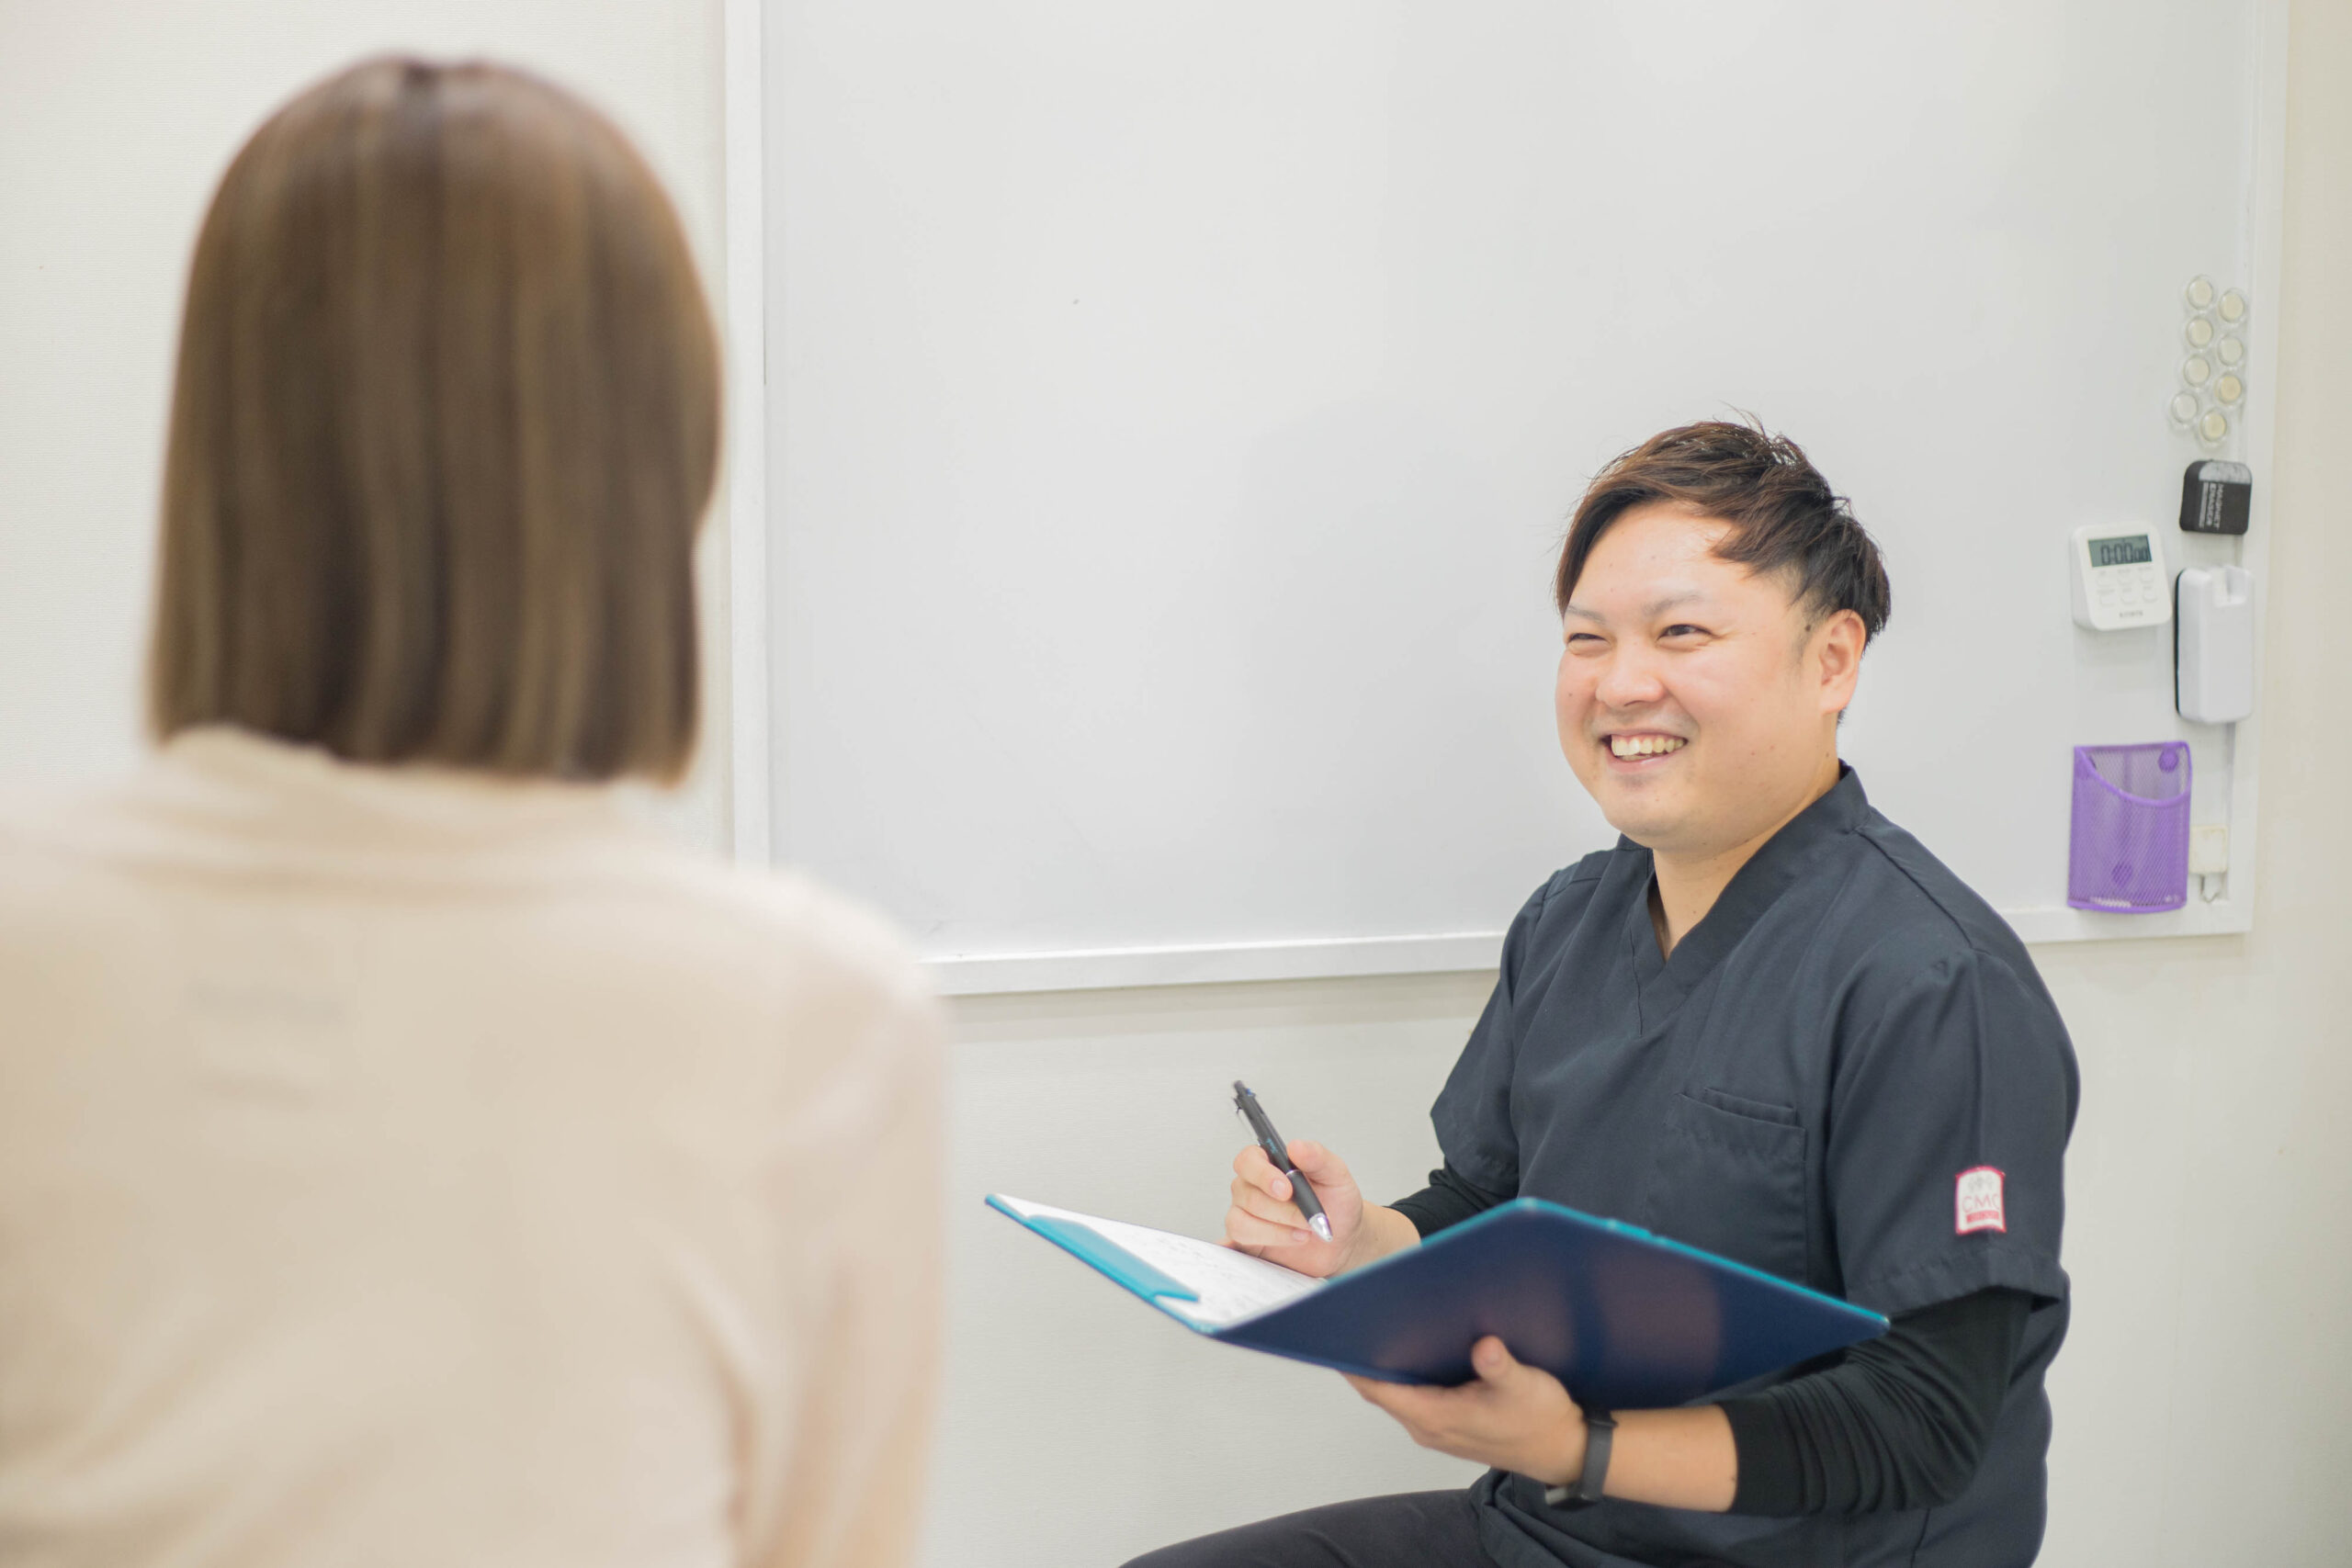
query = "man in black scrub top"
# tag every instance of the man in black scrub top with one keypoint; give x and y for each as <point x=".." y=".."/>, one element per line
<point x="1769" y="1023"/>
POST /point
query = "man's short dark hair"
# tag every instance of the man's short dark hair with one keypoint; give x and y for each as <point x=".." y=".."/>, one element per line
<point x="1783" y="515"/>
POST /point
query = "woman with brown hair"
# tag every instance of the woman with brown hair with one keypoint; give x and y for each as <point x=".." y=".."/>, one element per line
<point x="403" y="1156"/>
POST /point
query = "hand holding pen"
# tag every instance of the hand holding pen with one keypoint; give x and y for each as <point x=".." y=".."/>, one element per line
<point x="1261" y="1127"/>
<point x="1280" y="1190"/>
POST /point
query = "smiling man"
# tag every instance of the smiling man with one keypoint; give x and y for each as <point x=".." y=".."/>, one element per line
<point x="1769" y="1023"/>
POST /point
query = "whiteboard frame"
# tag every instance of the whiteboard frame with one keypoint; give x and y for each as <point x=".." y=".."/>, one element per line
<point x="751" y="775"/>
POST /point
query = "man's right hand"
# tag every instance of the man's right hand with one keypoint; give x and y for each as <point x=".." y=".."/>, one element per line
<point x="1264" y="1223"/>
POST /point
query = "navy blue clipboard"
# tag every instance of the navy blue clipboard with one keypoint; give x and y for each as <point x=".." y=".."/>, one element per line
<point x="1627" y="1320"/>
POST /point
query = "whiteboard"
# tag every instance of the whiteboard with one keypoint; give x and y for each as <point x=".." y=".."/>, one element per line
<point x="1170" y="416"/>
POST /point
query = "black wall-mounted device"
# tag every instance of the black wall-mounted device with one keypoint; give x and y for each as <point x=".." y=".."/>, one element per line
<point x="2216" y="497"/>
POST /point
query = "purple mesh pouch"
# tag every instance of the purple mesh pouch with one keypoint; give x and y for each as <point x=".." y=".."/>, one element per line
<point x="2130" y="850"/>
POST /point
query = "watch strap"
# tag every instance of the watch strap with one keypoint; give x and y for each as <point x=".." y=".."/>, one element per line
<point x="1600" y="1431"/>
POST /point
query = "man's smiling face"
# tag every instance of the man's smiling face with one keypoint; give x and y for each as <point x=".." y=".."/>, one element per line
<point x="1695" y="702"/>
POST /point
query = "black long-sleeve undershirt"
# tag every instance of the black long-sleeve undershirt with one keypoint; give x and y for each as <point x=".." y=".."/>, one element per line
<point x="1448" y="1199"/>
<point x="1901" y="1422"/>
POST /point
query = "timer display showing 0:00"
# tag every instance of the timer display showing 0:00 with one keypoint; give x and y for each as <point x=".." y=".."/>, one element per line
<point x="2132" y="551"/>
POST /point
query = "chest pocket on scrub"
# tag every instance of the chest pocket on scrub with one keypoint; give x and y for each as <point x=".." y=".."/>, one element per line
<point x="1729" y="1177"/>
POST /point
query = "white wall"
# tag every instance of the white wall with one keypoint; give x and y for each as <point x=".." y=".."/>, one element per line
<point x="2205" y="1403"/>
<point x="2201" y="1402"/>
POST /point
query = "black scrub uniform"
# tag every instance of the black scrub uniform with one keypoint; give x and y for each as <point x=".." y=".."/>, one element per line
<point x="1848" y="1073"/>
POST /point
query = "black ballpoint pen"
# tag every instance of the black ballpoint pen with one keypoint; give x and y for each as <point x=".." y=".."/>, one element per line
<point x="1302" y="1192"/>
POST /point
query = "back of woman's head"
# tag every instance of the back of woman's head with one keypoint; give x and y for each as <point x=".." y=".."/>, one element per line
<point x="444" y="425"/>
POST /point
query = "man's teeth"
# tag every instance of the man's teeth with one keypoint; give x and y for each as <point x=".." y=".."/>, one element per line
<point x="1644" y="745"/>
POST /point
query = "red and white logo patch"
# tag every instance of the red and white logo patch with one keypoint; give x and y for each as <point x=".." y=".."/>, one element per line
<point x="1976" y="1203"/>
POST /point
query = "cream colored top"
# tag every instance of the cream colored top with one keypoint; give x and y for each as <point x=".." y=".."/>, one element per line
<point x="402" y="1167"/>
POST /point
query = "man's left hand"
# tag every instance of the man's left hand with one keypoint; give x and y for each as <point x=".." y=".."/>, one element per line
<point x="1515" y="1417"/>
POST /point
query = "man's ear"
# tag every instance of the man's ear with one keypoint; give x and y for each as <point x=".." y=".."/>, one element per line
<point x="1837" y="657"/>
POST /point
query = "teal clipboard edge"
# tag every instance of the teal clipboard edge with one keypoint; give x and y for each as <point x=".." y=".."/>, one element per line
<point x="1100" y="1252"/>
<point x="1116" y="1263"/>
<point x="1668" y="1243"/>
<point x="1635" y="1232"/>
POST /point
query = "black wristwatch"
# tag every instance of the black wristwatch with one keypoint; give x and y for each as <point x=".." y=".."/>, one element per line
<point x="1600" y="1427"/>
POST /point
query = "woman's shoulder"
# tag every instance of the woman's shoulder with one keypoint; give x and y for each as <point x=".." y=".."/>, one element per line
<point x="775" y="973"/>
<point x="783" y="918"/>
<point x="568" y="874"/>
